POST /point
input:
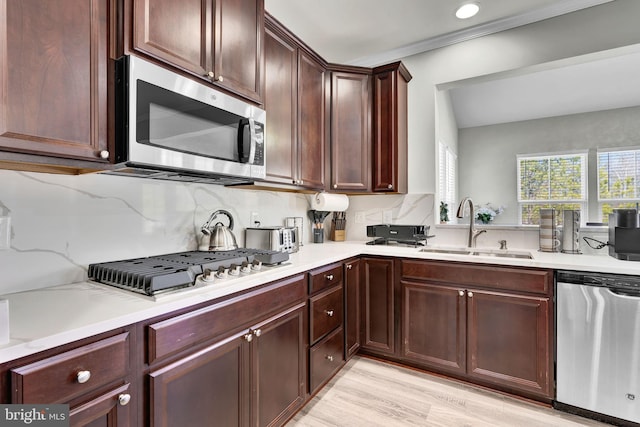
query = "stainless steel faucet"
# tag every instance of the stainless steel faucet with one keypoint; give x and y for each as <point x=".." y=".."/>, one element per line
<point x="473" y="232"/>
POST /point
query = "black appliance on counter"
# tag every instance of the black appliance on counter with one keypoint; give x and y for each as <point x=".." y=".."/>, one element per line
<point x="385" y="234"/>
<point x="624" y="234"/>
<point x="162" y="273"/>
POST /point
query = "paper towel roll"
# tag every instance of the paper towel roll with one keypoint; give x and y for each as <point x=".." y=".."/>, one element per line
<point x="329" y="202"/>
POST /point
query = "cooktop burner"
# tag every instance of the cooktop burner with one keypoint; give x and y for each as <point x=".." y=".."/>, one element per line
<point x="162" y="273"/>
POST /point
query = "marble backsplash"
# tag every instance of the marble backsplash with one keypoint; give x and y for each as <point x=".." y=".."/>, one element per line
<point x="61" y="224"/>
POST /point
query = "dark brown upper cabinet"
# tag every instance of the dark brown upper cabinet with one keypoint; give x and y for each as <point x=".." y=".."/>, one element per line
<point x="350" y="129"/>
<point x="220" y="41"/>
<point x="390" y="128"/>
<point x="295" y="100"/>
<point x="54" y="71"/>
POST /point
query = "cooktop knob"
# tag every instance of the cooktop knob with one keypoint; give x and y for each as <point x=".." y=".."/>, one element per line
<point x="222" y="273"/>
<point x="234" y="270"/>
<point x="256" y="265"/>
<point x="208" y="275"/>
<point x="245" y="268"/>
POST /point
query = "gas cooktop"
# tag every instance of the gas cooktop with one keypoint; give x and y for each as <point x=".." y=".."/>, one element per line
<point x="163" y="273"/>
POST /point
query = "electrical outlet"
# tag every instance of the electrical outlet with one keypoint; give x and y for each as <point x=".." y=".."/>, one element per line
<point x="255" y="220"/>
<point x="360" y="217"/>
<point x="387" y="216"/>
<point x="5" y="232"/>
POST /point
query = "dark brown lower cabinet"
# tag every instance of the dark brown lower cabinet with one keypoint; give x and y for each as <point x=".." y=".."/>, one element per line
<point x="497" y="338"/>
<point x="377" y="306"/>
<point x="434" y="328"/>
<point x="508" y="340"/>
<point x="256" y="377"/>
<point x="108" y="410"/>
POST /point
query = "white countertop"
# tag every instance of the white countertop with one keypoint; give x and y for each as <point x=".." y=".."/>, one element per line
<point x="50" y="317"/>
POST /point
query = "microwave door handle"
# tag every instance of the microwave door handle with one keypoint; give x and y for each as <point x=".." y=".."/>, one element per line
<point x="252" y="149"/>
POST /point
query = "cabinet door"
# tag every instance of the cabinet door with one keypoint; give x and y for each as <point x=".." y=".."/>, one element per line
<point x="433" y="326"/>
<point x="53" y="66"/>
<point x="280" y="102"/>
<point x="212" y="384"/>
<point x="352" y="307"/>
<point x="108" y="410"/>
<point x="377" y="305"/>
<point x="312" y="121"/>
<point x="279" y="366"/>
<point x="350" y="139"/>
<point x="509" y="341"/>
<point x="160" y="29"/>
<point x="238" y="45"/>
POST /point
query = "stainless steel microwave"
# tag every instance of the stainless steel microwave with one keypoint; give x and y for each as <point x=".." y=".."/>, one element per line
<point x="171" y="127"/>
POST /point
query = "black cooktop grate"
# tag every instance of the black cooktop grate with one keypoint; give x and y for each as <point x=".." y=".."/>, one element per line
<point x="159" y="273"/>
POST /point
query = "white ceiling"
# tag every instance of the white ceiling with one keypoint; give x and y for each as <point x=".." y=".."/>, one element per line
<point x="579" y="85"/>
<point x="372" y="32"/>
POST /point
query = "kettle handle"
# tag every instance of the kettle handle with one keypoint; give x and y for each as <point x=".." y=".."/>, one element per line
<point x="213" y="215"/>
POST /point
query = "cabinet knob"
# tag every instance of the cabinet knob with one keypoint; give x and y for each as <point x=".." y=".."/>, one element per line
<point x="329" y="313"/>
<point x="470" y="294"/>
<point x="329" y="277"/>
<point x="390" y="186"/>
<point x="219" y="79"/>
<point x="461" y="293"/>
<point x="83" y="376"/>
<point x="104" y="154"/>
<point x="257" y="332"/>
<point x="335" y="185"/>
<point x="349" y="266"/>
<point x="210" y="74"/>
<point x="248" y="337"/>
<point x="124" y="399"/>
<point x="329" y="358"/>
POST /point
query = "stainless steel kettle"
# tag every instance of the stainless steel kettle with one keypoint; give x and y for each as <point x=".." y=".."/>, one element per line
<point x="220" y="237"/>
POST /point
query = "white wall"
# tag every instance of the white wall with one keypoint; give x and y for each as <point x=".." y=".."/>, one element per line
<point x="603" y="27"/>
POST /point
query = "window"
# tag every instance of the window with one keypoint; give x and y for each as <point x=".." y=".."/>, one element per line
<point x="618" y="181"/>
<point x="546" y="181"/>
<point x="448" y="176"/>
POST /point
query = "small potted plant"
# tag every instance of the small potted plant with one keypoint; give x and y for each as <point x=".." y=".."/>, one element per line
<point x="444" y="213"/>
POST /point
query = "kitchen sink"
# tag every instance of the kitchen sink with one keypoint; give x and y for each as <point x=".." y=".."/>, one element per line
<point x="503" y="254"/>
<point x="447" y="251"/>
<point x="498" y="253"/>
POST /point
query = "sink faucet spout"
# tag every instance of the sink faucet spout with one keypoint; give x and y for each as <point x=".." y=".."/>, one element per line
<point x="473" y="232"/>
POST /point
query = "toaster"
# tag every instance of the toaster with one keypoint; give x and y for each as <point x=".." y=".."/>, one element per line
<point x="283" y="239"/>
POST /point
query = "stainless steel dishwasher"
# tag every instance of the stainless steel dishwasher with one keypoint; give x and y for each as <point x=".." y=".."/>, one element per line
<point x="598" y="343"/>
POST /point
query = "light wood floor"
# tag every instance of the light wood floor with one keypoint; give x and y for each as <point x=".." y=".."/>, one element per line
<point x="369" y="393"/>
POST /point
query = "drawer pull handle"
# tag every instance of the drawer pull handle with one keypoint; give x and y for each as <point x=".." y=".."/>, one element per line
<point x="83" y="376"/>
<point x="329" y="358"/>
<point x="248" y="337"/>
<point x="124" y="399"/>
<point x="329" y="313"/>
<point x="257" y="332"/>
<point x="329" y="277"/>
<point x="461" y="293"/>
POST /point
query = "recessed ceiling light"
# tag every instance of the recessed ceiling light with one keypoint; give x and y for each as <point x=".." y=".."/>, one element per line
<point x="467" y="10"/>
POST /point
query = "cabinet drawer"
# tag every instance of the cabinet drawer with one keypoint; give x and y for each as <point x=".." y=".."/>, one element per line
<point x="326" y="312"/>
<point x="181" y="332"/>
<point x="57" y="379"/>
<point x="539" y="281"/>
<point x="326" y="359"/>
<point x="323" y="278"/>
